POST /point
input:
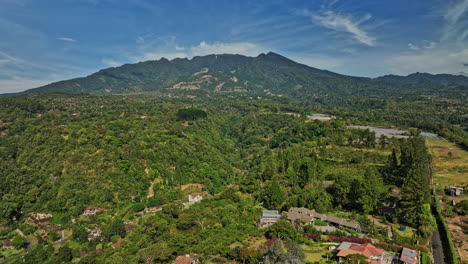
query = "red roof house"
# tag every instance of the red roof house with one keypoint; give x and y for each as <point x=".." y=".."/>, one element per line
<point x="185" y="260"/>
<point x="119" y="241"/>
<point x="372" y="253"/>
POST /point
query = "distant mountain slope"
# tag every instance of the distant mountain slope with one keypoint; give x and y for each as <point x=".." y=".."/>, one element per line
<point x="268" y="73"/>
<point x="424" y="78"/>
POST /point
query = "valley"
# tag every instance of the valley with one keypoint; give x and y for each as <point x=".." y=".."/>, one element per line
<point x="218" y="169"/>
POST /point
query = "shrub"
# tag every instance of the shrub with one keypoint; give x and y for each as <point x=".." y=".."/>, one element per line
<point x="189" y="114"/>
<point x="320" y="223"/>
<point x="138" y="207"/>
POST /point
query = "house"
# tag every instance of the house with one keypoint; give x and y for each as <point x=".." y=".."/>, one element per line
<point x="6" y="244"/>
<point x="185" y="260"/>
<point x="84" y="254"/>
<point x="454" y="191"/>
<point x="389" y="212"/>
<point x="153" y="209"/>
<point x="94" y="233"/>
<point x="119" y="241"/>
<point x="409" y="256"/>
<point x="304" y="215"/>
<point x="92" y="210"/>
<point x="195" y="198"/>
<point x="340" y="222"/>
<point x="41" y="216"/>
<point x="374" y="255"/>
<point x="268" y="218"/>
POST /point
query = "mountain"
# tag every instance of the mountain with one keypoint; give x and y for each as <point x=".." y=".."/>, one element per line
<point x="269" y="73"/>
<point x="425" y="78"/>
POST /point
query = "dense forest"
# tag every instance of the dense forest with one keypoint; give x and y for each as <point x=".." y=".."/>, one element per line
<point x="63" y="153"/>
<point x="146" y="162"/>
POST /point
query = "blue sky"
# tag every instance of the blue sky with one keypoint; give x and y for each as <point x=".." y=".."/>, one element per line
<point x="42" y="41"/>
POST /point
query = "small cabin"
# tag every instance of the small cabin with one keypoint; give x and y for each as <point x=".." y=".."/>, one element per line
<point x="454" y="191"/>
<point x="92" y="210"/>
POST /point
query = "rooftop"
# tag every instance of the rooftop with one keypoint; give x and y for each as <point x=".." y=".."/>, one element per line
<point x="271" y="213"/>
<point x="409" y="255"/>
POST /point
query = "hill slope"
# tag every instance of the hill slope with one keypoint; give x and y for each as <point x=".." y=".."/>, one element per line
<point x="268" y="73"/>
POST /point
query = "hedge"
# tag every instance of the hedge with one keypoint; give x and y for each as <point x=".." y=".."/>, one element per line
<point x="449" y="249"/>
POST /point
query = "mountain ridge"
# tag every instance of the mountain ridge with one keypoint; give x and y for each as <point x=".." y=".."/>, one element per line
<point x="271" y="73"/>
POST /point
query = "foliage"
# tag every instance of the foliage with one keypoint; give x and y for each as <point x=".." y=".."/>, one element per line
<point x="189" y="114"/>
<point x="282" y="229"/>
<point x="284" y="251"/>
<point x="449" y="249"/>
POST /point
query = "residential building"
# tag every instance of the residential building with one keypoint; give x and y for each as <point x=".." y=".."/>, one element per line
<point x="304" y="215"/>
<point x="119" y="241"/>
<point x="41" y="216"/>
<point x="94" y="233"/>
<point x="389" y="212"/>
<point x="153" y="209"/>
<point x="185" y="260"/>
<point x="374" y="255"/>
<point x="409" y="256"/>
<point x="454" y="191"/>
<point x="195" y="198"/>
<point x="92" y="210"/>
<point x="268" y="218"/>
<point x="340" y="222"/>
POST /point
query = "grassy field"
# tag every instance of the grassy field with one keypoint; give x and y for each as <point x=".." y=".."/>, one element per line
<point x="409" y="232"/>
<point x="314" y="252"/>
<point x="450" y="163"/>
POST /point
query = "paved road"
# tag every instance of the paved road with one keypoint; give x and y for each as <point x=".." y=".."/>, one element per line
<point x="437" y="249"/>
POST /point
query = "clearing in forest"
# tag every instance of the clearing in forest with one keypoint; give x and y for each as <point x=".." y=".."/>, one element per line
<point x="449" y="163"/>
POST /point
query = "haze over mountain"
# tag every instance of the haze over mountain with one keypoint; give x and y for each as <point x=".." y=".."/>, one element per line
<point x="269" y="73"/>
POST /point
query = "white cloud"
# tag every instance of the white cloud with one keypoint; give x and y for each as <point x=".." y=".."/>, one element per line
<point x="20" y="84"/>
<point x="456" y="18"/>
<point x="318" y="61"/>
<point x="344" y="23"/>
<point x="456" y="11"/>
<point x="158" y="55"/>
<point x="442" y="60"/>
<point x="425" y="45"/>
<point x="111" y="62"/>
<point x="411" y="46"/>
<point x="167" y="47"/>
<point x="66" y="39"/>
<point x="243" y="48"/>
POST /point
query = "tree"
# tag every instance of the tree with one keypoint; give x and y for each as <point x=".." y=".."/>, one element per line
<point x="274" y="196"/>
<point x="371" y="190"/>
<point x="64" y="254"/>
<point x="355" y="259"/>
<point x="462" y="207"/>
<point x="80" y="234"/>
<point x="18" y="242"/>
<point x="416" y="169"/>
<point x="117" y="227"/>
<point x="157" y="253"/>
<point x="284" y="251"/>
<point x="282" y="229"/>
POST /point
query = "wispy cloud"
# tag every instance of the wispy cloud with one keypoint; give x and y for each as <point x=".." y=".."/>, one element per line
<point x="111" y="62"/>
<point x="244" y="48"/>
<point x="20" y="84"/>
<point x="411" y="46"/>
<point x="425" y="45"/>
<point x="456" y="18"/>
<point x="343" y="23"/>
<point x="153" y="48"/>
<point x="442" y="60"/>
<point x="66" y="39"/>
